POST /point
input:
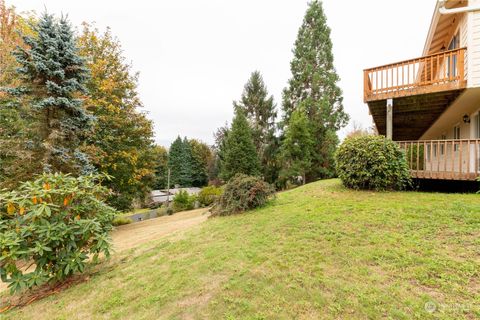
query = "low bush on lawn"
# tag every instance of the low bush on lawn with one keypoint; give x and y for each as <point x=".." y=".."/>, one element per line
<point x="243" y="193"/>
<point x="373" y="163"/>
<point x="120" y="221"/>
<point x="53" y="223"/>
<point x="208" y="195"/>
<point x="183" y="201"/>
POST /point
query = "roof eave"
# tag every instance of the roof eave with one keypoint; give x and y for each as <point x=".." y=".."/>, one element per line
<point x="433" y="27"/>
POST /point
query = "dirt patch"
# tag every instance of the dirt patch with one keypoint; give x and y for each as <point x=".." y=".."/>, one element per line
<point x="132" y="235"/>
<point x="135" y="234"/>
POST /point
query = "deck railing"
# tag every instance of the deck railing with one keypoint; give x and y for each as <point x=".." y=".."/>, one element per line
<point x="436" y="72"/>
<point x="443" y="159"/>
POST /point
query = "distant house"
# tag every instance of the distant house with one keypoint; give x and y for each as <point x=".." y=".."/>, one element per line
<point x="162" y="196"/>
<point x="430" y="105"/>
<point x="158" y="196"/>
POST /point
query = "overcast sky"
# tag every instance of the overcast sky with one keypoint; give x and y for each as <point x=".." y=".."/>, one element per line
<point x="194" y="57"/>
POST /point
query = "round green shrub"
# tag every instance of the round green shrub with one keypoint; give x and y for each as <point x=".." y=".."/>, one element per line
<point x="183" y="201"/>
<point x="372" y="163"/>
<point x="208" y="195"/>
<point x="243" y="193"/>
<point x="55" y="223"/>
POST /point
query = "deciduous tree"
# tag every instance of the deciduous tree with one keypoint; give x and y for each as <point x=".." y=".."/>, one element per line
<point x="121" y="143"/>
<point x="202" y="158"/>
<point x="17" y="162"/>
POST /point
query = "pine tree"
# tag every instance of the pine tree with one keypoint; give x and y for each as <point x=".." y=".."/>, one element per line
<point x="55" y="76"/>
<point x="180" y="163"/>
<point x="239" y="151"/>
<point x="314" y="85"/>
<point x="260" y="110"/>
<point x="297" y="147"/>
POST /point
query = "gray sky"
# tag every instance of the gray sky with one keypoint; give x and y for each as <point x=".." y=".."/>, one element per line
<point x="194" y="57"/>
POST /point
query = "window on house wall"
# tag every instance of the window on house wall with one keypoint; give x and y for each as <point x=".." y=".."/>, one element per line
<point x="452" y="60"/>
<point x="456" y="135"/>
<point x="442" y="146"/>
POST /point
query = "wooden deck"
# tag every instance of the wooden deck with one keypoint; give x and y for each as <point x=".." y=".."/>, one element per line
<point x="444" y="71"/>
<point x="421" y="89"/>
<point x="443" y="159"/>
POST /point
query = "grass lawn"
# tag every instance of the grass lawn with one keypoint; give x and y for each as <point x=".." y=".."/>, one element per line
<point x="316" y="252"/>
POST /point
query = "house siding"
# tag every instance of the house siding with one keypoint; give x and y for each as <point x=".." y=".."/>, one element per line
<point x="474" y="50"/>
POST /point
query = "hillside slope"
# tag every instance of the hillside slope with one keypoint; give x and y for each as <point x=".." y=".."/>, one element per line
<point x="316" y="252"/>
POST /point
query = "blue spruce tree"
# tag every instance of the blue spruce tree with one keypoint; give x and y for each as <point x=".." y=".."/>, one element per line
<point x="54" y="76"/>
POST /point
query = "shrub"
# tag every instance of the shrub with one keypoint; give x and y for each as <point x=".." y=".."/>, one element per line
<point x="120" y="221"/>
<point x="54" y="223"/>
<point x="209" y="195"/>
<point x="243" y="193"/>
<point x="372" y="162"/>
<point x="183" y="201"/>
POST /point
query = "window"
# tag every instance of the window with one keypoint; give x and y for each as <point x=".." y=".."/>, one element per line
<point x="456" y="135"/>
<point x="442" y="146"/>
<point x="452" y="60"/>
<point x="476" y="122"/>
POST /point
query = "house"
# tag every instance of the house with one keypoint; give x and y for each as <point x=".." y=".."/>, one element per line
<point x="430" y="104"/>
<point x="162" y="196"/>
<point x="158" y="196"/>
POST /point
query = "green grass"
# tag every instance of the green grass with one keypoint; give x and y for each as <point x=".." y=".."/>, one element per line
<point x="316" y="252"/>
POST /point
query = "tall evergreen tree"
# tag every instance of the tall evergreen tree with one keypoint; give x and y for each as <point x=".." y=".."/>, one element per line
<point x="239" y="151"/>
<point x="314" y="85"/>
<point x="260" y="110"/>
<point x="55" y="75"/>
<point x="180" y="163"/>
<point x="297" y="147"/>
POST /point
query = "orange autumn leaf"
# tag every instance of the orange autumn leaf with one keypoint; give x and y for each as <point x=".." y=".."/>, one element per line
<point x="34" y="200"/>
<point x="65" y="201"/>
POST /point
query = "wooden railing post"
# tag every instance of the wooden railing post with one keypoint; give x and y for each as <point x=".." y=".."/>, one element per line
<point x="366" y="88"/>
<point x="461" y="64"/>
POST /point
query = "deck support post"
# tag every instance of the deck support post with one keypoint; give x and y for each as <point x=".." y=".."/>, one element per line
<point x="389" y="119"/>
